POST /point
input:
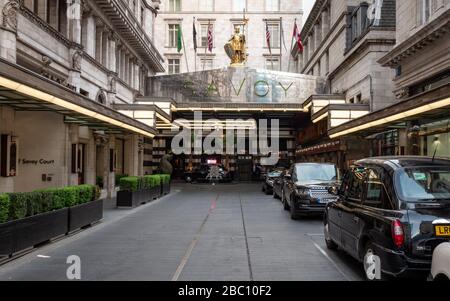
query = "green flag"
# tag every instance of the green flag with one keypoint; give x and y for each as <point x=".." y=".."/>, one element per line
<point x="179" y="39"/>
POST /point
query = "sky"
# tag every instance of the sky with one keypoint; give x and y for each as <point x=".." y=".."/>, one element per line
<point x="307" y="6"/>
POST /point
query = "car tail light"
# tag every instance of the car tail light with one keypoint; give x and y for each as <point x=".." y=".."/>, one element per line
<point x="398" y="236"/>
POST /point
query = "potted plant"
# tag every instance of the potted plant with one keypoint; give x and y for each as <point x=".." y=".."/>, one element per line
<point x="28" y="219"/>
<point x="88" y="210"/>
<point x="130" y="193"/>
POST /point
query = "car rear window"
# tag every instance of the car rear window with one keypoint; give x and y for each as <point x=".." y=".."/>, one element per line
<point x="421" y="184"/>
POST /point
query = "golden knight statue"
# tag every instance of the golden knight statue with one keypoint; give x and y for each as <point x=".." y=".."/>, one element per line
<point x="236" y="48"/>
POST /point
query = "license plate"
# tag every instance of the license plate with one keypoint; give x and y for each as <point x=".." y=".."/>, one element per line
<point x="325" y="201"/>
<point x="442" y="230"/>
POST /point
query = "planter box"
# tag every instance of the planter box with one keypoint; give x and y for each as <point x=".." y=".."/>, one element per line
<point x="165" y="188"/>
<point x="132" y="198"/>
<point x="155" y="193"/>
<point x="7" y="238"/>
<point x="85" y="214"/>
<point x="28" y="232"/>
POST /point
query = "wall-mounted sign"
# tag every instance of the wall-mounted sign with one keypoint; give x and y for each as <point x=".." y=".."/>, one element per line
<point x="36" y="162"/>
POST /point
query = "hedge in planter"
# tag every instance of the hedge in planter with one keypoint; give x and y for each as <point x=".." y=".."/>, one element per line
<point x="30" y="218"/>
<point x="4" y="208"/>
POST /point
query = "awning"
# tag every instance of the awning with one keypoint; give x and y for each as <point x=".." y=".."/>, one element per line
<point x="430" y="104"/>
<point x="25" y="90"/>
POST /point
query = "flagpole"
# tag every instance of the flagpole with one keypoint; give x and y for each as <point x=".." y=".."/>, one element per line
<point x="268" y="44"/>
<point x="281" y="52"/>
<point x="206" y="46"/>
<point x="195" y="50"/>
<point x="290" y="49"/>
<point x="185" y="50"/>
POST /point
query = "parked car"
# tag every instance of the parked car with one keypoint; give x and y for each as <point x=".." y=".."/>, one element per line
<point x="306" y="188"/>
<point x="278" y="184"/>
<point x="396" y="208"/>
<point x="440" y="266"/>
<point x="207" y="173"/>
<point x="270" y="177"/>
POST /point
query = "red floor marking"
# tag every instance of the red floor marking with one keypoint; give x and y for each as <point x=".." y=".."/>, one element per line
<point x="213" y="205"/>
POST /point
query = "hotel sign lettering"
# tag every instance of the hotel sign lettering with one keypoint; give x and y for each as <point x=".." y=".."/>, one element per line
<point x="261" y="87"/>
<point x="238" y="85"/>
<point x="36" y="162"/>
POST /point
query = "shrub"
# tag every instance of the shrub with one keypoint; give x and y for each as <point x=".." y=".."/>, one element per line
<point x="86" y="193"/>
<point x="4" y="207"/>
<point x="129" y="184"/>
<point x="156" y="180"/>
<point x="17" y="206"/>
<point x="165" y="178"/>
<point x="118" y="177"/>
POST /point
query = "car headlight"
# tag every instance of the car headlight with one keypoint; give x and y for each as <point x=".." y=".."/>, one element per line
<point x="303" y="193"/>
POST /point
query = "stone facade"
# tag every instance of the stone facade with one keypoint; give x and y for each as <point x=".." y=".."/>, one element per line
<point x="224" y="15"/>
<point x="343" y="43"/>
<point x="102" y="50"/>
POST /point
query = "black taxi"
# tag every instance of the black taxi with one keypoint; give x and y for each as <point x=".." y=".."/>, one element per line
<point x="397" y="208"/>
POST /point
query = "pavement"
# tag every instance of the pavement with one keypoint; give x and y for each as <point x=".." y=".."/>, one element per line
<point x="198" y="232"/>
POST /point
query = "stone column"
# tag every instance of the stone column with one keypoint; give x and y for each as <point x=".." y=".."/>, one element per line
<point x="98" y="39"/>
<point x="325" y="22"/>
<point x="73" y="14"/>
<point x="8" y="29"/>
<point x="105" y="47"/>
<point x="112" y="51"/>
<point x="134" y="155"/>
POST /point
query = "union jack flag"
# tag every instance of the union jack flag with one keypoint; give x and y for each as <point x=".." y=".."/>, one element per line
<point x="210" y="38"/>
<point x="268" y="35"/>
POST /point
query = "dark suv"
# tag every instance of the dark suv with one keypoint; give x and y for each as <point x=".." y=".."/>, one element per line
<point x="306" y="188"/>
<point x="397" y="208"/>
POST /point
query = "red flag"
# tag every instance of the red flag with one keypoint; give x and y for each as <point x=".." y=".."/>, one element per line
<point x="297" y="36"/>
<point x="268" y="36"/>
<point x="210" y="38"/>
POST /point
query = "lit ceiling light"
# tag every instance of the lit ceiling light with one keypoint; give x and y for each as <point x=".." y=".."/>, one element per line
<point x="67" y="105"/>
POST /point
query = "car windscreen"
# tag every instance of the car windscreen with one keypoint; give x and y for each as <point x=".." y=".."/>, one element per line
<point x="274" y="174"/>
<point x="316" y="172"/>
<point x="421" y="184"/>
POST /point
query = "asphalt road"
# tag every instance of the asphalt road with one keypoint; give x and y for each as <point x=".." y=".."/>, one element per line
<point x="198" y="232"/>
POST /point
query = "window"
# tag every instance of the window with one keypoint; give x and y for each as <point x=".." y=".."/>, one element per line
<point x="272" y="63"/>
<point x="358" y="22"/>
<point x="174" y="5"/>
<point x="376" y="194"/>
<point x="272" y="5"/>
<point x="239" y="5"/>
<point x="424" y="10"/>
<point x="204" y="34"/>
<point x="274" y="30"/>
<point x="173" y="35"/>
<point x="208" y="63"/>
<point x="206" y="5"/>
<point x="174" y="66"/>
<point x="352" y="186"/>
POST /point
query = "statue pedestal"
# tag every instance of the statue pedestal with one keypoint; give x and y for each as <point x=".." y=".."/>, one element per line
<point x="238" y="65"/>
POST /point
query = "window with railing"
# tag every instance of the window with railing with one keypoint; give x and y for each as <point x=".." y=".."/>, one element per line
<point x="174" y="5"/>
<point x="272" y="5"/>
<point x="206" y="5"/>
<point x="239" y="5"/>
